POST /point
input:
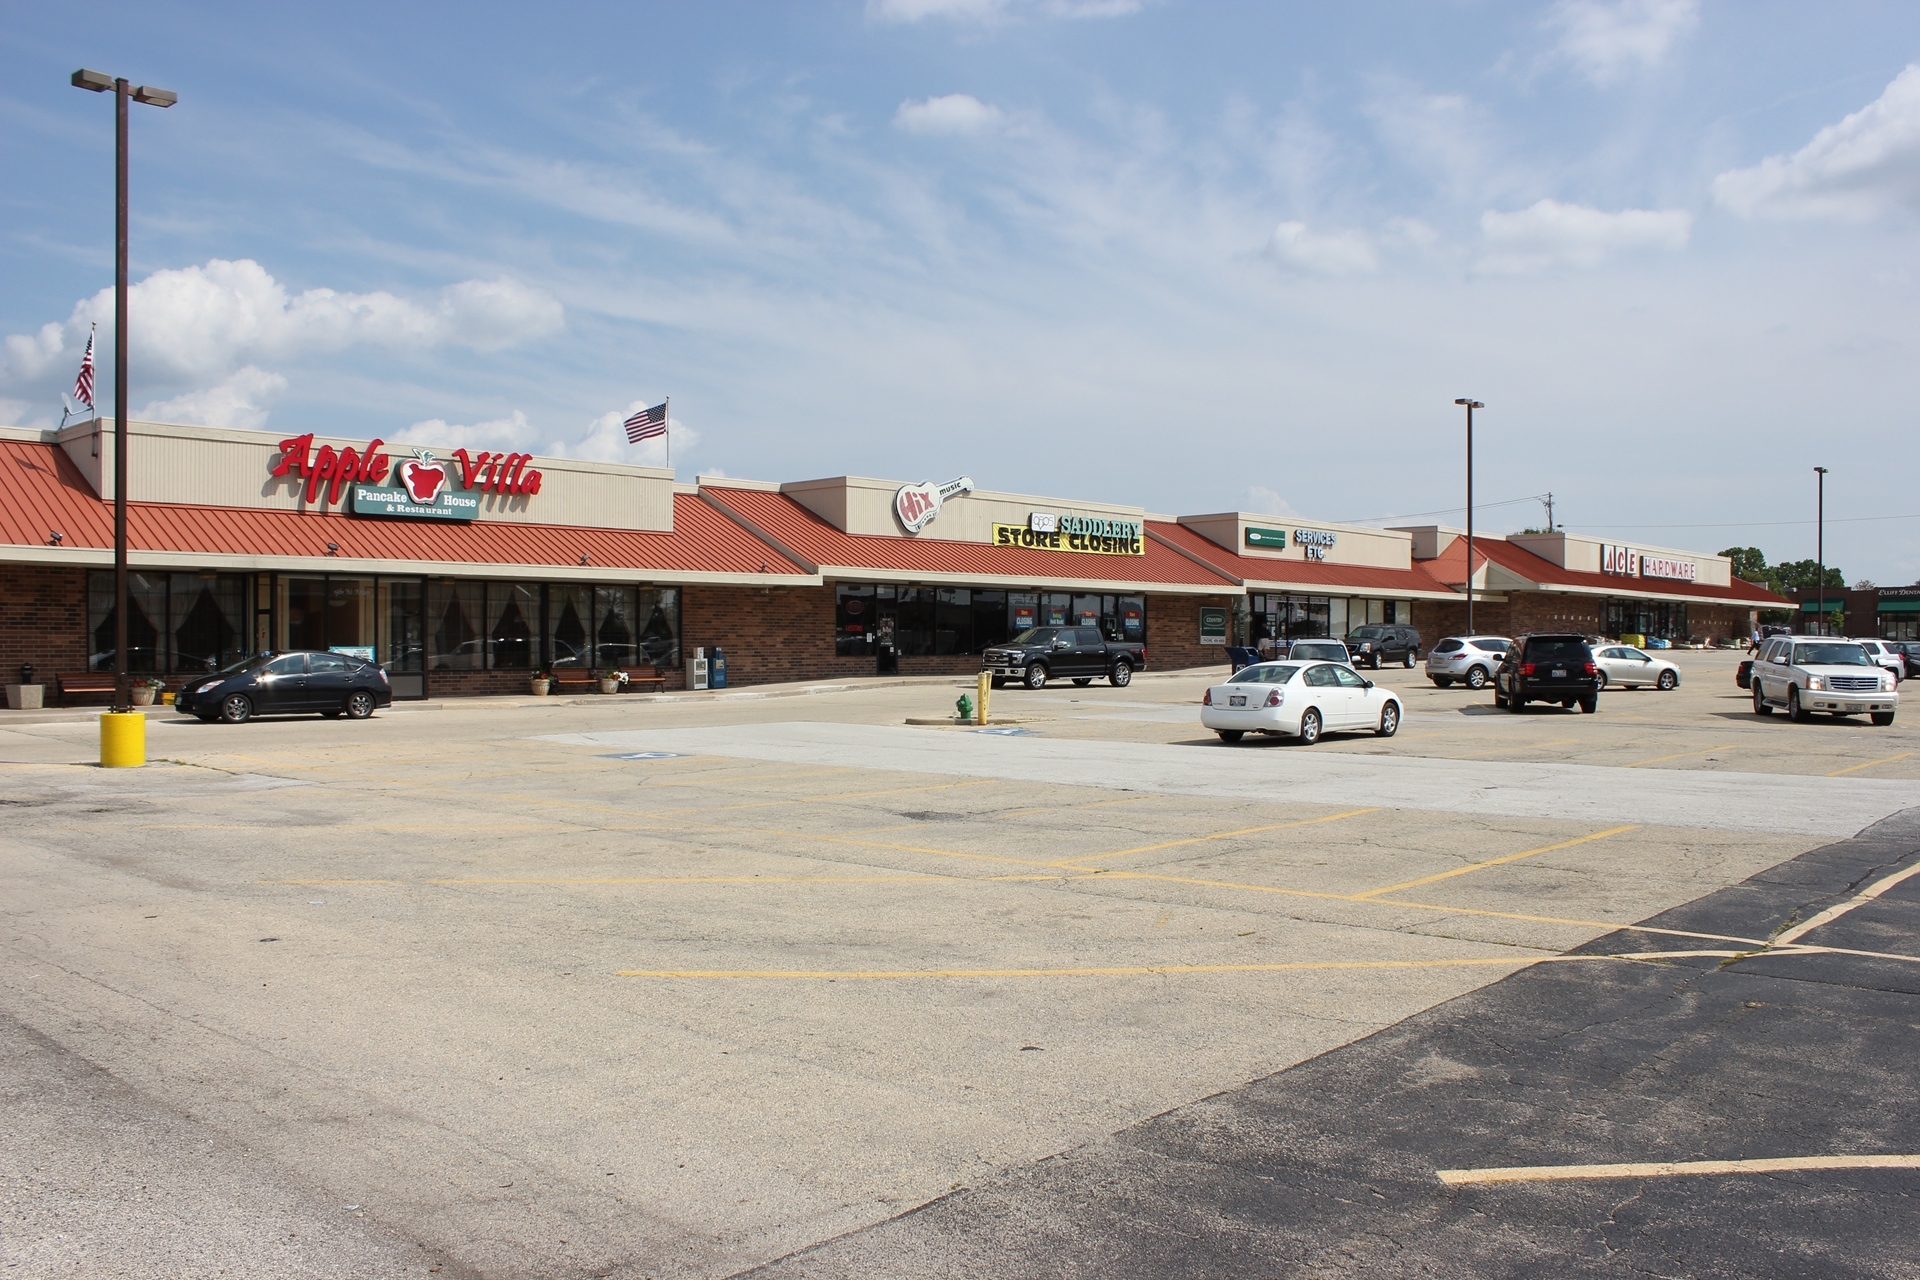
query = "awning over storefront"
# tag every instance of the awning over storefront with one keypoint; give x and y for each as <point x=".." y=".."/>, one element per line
<point x="1898" y="606"/>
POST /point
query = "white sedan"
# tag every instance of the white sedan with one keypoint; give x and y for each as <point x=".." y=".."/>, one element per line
<point x="1625" y="665"/>
<point x="1471" y="660"/>
<point x="1298" y="699"/>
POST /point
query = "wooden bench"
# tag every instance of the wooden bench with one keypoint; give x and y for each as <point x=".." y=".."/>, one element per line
<point x="646" y="677"/>
<point x="580" y="679"/>
<point x="70" y="683"/>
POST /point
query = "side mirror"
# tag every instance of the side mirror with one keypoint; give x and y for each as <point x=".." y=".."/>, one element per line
<point x="1058" y="643"/>
<point x="1367" y="683"/>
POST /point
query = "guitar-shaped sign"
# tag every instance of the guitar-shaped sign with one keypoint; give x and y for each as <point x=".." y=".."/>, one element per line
<point x="918" y="504"/>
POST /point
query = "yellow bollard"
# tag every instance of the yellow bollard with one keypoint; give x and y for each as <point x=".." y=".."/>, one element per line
<point x="123" y="739"/>
<point x="985" y="686"/>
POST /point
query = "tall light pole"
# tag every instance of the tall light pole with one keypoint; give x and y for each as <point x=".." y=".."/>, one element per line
<point x="99" y="82"/>
<point x="1820" y="542"/>
<point x="1471" y="406"/>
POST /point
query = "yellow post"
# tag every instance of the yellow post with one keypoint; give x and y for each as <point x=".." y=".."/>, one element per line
<point x="123" y="739"/>
<point x="984" y="686"/>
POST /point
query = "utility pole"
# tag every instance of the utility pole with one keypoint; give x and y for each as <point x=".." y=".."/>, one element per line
<point x="1549" y="511"/>
<point x="1820" y="544"/>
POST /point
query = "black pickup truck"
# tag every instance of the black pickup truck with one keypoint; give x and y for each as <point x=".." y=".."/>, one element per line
<point x="1080" y="654"/>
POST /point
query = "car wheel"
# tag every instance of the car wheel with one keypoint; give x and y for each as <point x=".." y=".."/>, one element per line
<point x="1230" y="735"/>
<point x="1599" y="681"/>
<point x="1590" y="703"/>
<point x="1477" y="678"/>
<point x="1083" y="681"/>
<point x="1795" y="712"/>
<point x="235" y="708"/>
<point x="1036" y="675"/>
<point x="1375" y="664"/>
<point x="1760" y="707"/>
<point x="1309" y="727"/>
<point x="1882" y="718"/>
<point x="1667" y="680"/>
<point x="1122" y="674"/>
<point x="1516" y="703"/>
<point x="1389" y="720"/>
<point x="1446" y="682"/>
<point x="1409" y="659"/>
<point x="359" y="705"/>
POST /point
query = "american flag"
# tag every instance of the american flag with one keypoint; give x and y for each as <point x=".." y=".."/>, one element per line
<point x="647" y="424"/>
<point x="83" y="385"/>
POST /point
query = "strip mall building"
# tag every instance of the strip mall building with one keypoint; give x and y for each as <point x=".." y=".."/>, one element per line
<point x="461" y="572"/>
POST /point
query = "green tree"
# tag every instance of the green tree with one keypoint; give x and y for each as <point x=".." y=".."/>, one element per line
<point x="1804" y="575"/>
<point x="1749" y="563"/>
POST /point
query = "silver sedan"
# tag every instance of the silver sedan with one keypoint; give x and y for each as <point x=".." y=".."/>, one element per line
<point x="1627" y="666"/>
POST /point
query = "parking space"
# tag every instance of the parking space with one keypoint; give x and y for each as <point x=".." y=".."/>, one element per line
<point x="679" y="988"/>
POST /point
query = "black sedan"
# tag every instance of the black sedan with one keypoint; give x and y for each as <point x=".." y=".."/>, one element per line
<point x="306" y="680"/>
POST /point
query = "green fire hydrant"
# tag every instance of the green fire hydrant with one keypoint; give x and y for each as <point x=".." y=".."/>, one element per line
<point x="964" y="704"/>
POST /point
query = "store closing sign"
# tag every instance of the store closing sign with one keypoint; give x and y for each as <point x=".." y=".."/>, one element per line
<point x="1091" y="535"/>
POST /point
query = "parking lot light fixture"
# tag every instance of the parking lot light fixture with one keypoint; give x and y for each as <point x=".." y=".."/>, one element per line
<point x="1820" y="543"/>
<point x="123" y="92"/>
<point x="1471" y="405"/>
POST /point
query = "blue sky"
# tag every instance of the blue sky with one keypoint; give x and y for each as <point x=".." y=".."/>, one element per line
<point x="1195" y="256"/>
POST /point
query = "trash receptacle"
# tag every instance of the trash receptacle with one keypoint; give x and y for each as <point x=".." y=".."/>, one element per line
<point x="887" y="661"/>
<point x="717" y="668"/>
<point x="697" y="670"/>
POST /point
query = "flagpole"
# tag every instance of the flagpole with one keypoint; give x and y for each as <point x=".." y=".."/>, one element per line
<point x="666" y="421"/>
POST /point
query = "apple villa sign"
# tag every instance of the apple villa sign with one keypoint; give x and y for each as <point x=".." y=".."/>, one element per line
<point x="422" y="487"/>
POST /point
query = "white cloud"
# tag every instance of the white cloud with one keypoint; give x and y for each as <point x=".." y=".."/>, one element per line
<point x="202" y="322"/>
<point x="1608" y="40"/>
<point x="239" y="400"/>
<point x="513" y="433"/>
<point x="1324" y="253"/>
<point x="605" y="440"/>
<point x="13" y="413"/>
<point x="1855" y="170"/>
<point x="949" y="113"/>
<point x="1268" y="502"/>
<point x="1549" y="233"/>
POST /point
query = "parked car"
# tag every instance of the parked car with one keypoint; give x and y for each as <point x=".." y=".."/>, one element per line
<point x="1548" y="668"/>
<point x="1040" y="654"/>
<point x="1318" y="651"/>
<point x="1376" y="642"/>
<point x="1472" y="660"/>
<point x="1743" y="676"/>
<point x="1910" y="649"/>
<point x="1623" y="664"/>
<point x="304" y="680"/>
<point x="1884" y="654"/>
<point x="1805" y="674"/>
<point x="1298" y="699"/>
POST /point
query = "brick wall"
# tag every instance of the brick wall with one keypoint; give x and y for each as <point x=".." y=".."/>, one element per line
<point x="43" y="621"/>
<point x="1173" y="633"/>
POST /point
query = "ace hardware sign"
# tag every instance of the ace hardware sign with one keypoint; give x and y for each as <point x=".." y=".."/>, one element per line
<point x="421" y="487"/>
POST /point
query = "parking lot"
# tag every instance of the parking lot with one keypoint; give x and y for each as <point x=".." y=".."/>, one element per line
<point x="689" y="986"/>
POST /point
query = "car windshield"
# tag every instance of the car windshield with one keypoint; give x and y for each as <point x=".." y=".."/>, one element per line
<point x="1556" y="651"/>
<point x="1830" y="655"/>
<point x="242" y="664"/>
<point x="1492" y="644"/>
<point x="1264" y="673"/>
<point x="1368" y="633"/>
<point x="1036" y="635"/>
<point x="1320" y="649"/>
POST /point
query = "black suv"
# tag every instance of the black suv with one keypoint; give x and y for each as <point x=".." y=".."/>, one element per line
<point x="1548" y="668"/>
<point x="1374" y="642"/>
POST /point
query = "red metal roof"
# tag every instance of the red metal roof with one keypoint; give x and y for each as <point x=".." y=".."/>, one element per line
<point x="813" y="539"/>
<point x="1256" y="570"/>
<point x="44" y="492"/>
<point x="1450" y="567"/>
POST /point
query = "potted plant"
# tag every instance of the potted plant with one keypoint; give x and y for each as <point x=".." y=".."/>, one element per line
<point x="145" y="691"/>
<point x="611" y="679"/>
<point x="540" y="683"/>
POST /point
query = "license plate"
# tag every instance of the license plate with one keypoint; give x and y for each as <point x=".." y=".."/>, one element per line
<point x="1240" y="701"/>
<point x="1559" y="673"/>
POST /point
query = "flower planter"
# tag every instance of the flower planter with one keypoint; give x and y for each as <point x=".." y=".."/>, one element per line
<point x="539" y="688"/>
<point x="143" y="695"/>
<point x="609" y="686"/>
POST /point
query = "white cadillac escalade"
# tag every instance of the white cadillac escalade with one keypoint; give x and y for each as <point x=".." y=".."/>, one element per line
<point x="1805" y="674"/>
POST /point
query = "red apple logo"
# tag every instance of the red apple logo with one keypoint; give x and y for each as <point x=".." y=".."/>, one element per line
<point x="423" y="477"/>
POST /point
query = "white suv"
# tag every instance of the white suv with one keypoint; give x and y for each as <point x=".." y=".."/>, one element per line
<point x="1806" y="674"/>
<point x="1885" y="655"/>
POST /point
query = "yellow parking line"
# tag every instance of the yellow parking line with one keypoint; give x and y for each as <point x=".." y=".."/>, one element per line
<point x="1725" y="746"/>
<point x="1218" y="835"/>
<point x="1494" y="862"/>
<point x="1854" y="768"/>
<point x="1111" y="971"/>
<point x="1673" y="1168"/>
<point x="1586" y="924"/>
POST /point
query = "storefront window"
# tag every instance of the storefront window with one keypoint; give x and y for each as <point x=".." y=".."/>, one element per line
<point x="1647" y="618"/>
<point x="853" y="621"/>
<point x="616" y="635"/>
<point x="207" y="616"/>
<point x="1056" y="610"/>
<point x="454" y="613"/>
<point x="569" y="615"/>
<point x="660" y="632"/>
<point x="952" y="620"/>
<point x="303" y="613"/>
<point x="989" y="617"/>
<point x="350" y="617"/>
<point x="1023" y="608"/>
<point x="403" y="646"/>
<point x="913" y="621"/>
<point x="513" y="624"/>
